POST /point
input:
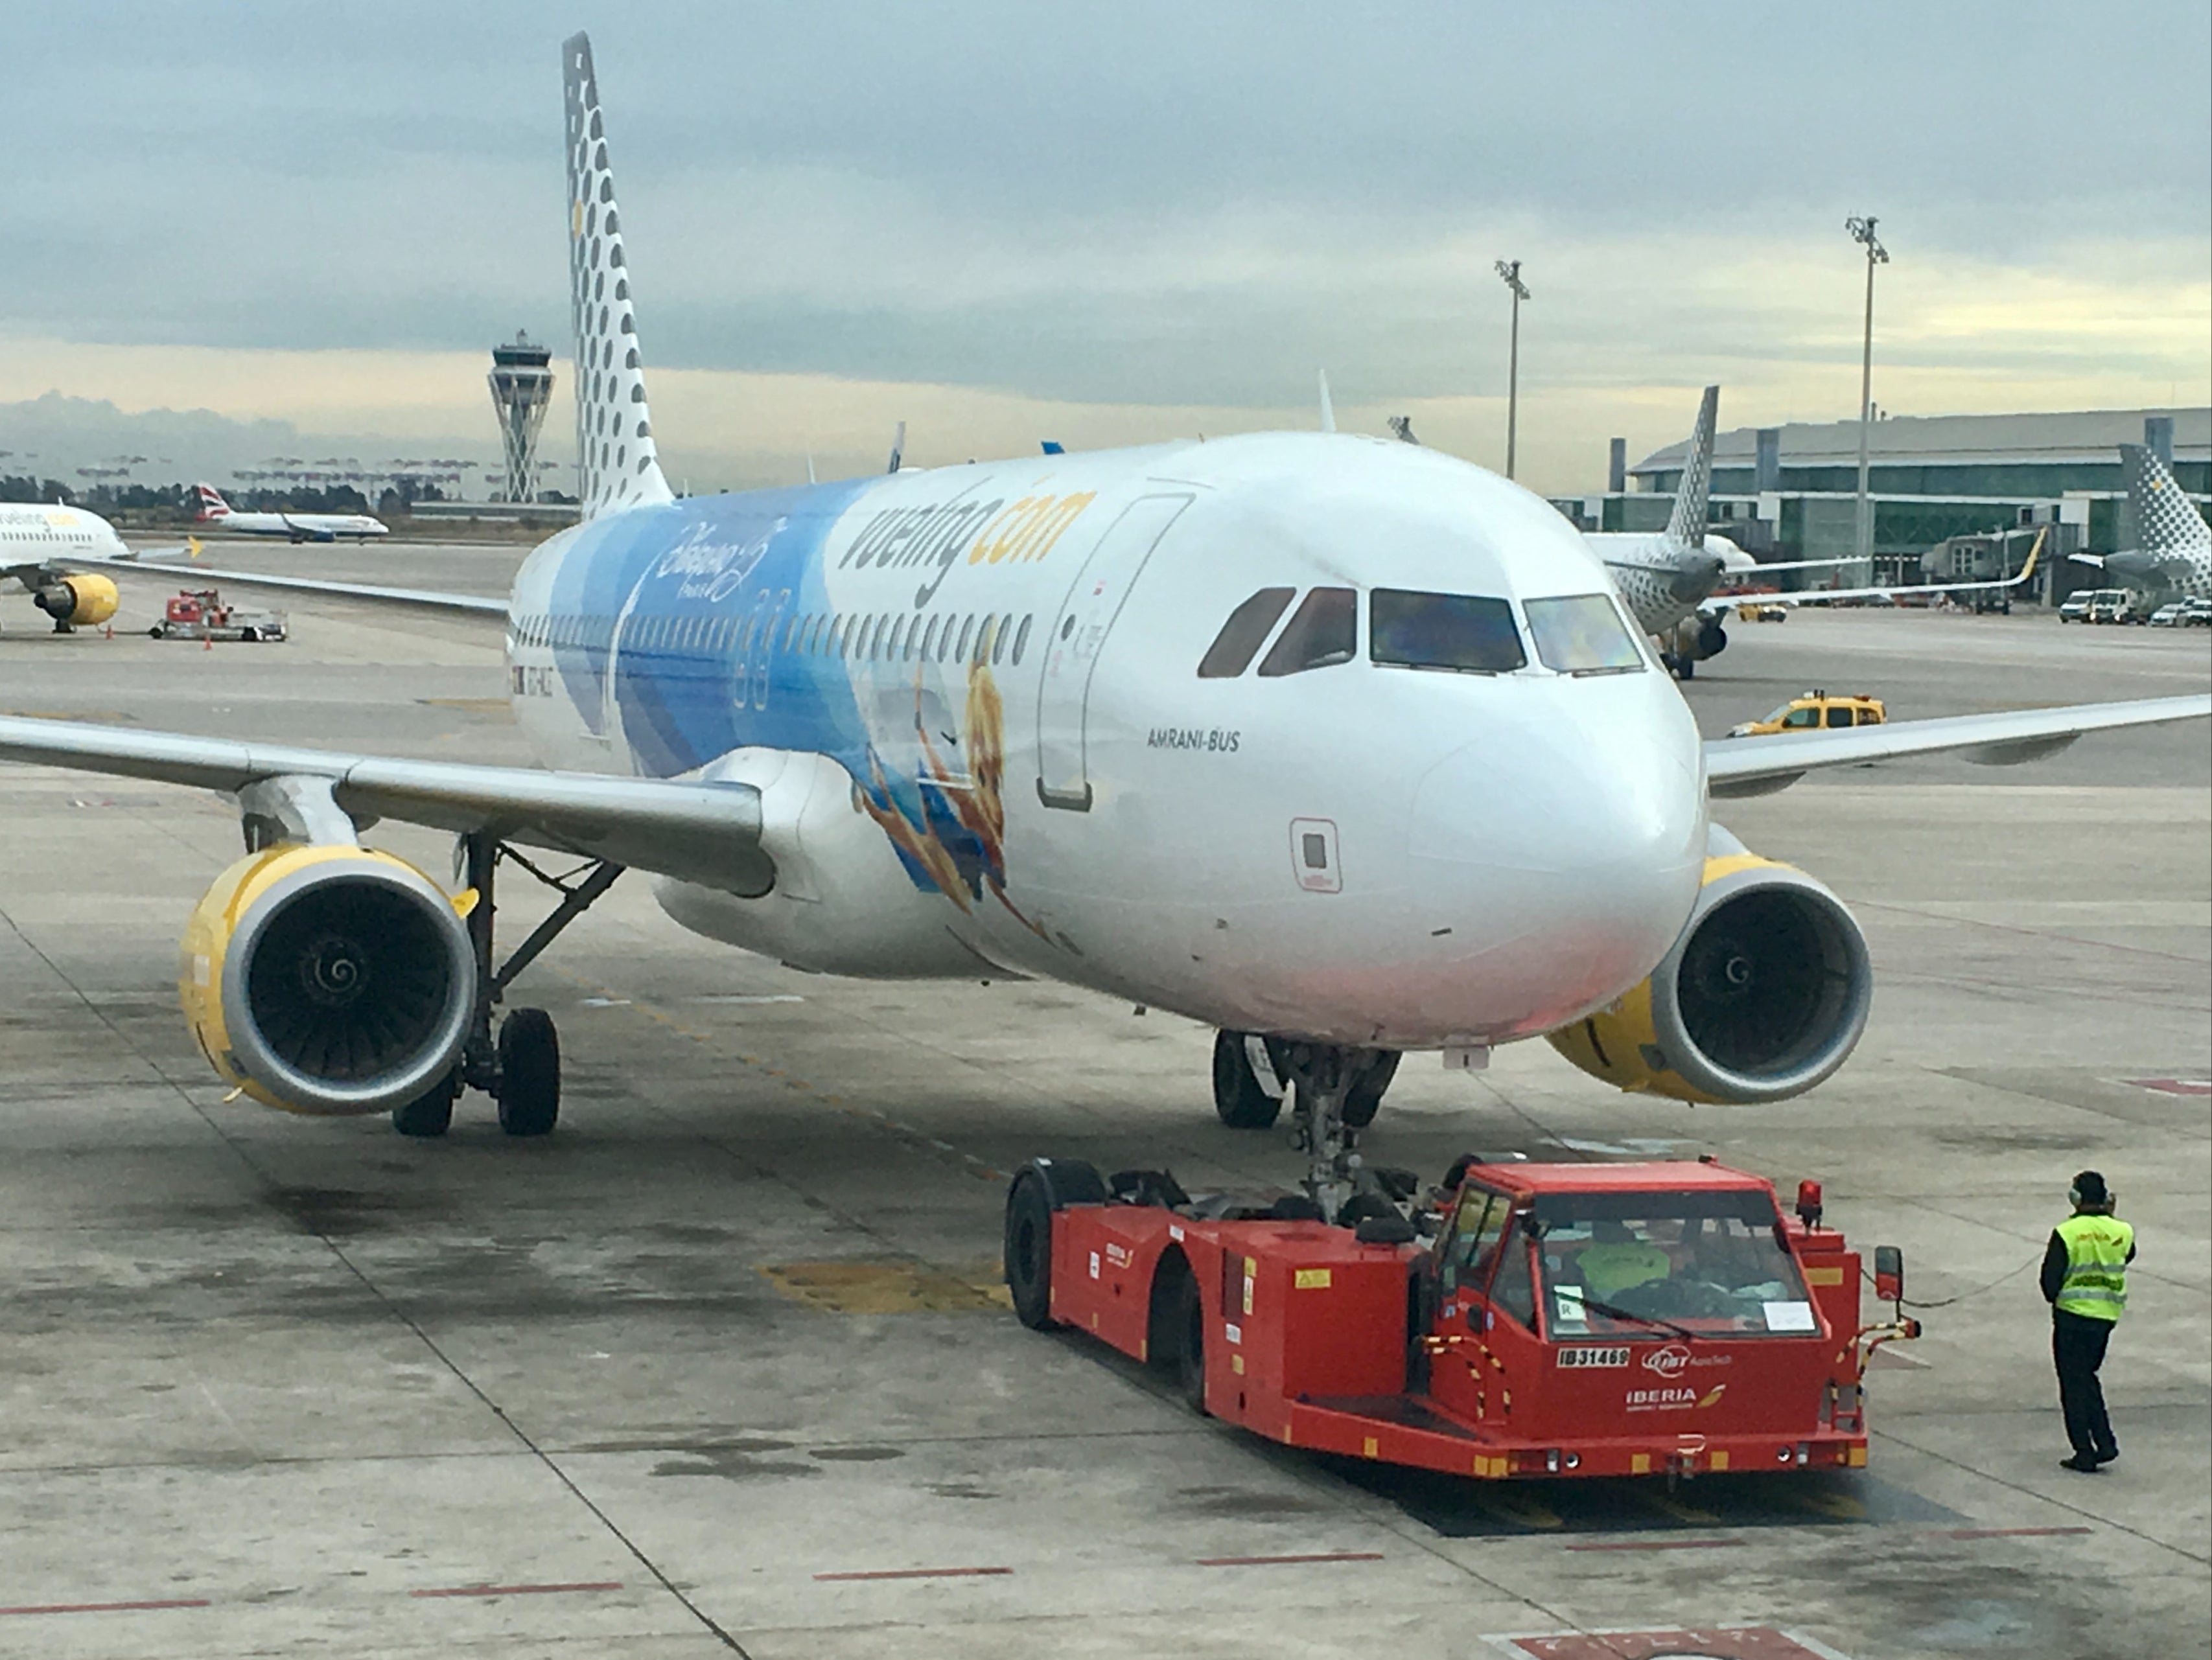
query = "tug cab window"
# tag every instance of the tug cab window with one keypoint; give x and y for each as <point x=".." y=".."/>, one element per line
<point x="1241" y="636"/>
<point x="1464" y="634"/>
<point x="1582" y="634"/>
<point x="1617" y="1264"/>
<point x="1323" y="632"/>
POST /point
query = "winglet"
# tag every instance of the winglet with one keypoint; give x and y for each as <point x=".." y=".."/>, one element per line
<point x="1685" y="527"/>
<point x="899" y="448"/>
<point x="1328" y="410"/>
<point x="618" y="465"/>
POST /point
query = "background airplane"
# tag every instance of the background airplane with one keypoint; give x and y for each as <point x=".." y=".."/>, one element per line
<point x="41" y="548"/>
<point x="1331" y="743"/>
<point x="216" y="514"/>
<point x="1668" y="578"/>
<point x="2172" y="559"/>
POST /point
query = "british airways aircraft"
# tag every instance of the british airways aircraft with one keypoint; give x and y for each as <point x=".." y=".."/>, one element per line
<point x="212" y="512"/>
<point x="1341" y="747"/>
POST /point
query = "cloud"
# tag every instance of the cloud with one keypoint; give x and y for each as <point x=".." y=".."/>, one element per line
<point x="1171" y="216"/>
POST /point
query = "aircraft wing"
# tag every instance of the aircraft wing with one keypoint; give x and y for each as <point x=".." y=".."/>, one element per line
<point x="1719" y="604"/>
<point x="426" y="599"/>
<point x="1760" y="766"/>
<point x="697" y="831"/>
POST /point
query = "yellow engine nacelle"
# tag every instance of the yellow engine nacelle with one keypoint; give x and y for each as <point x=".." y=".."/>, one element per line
<point x="1763" y="995"/>
<point x="327" y="979"/>
<point x="78" y="601"/>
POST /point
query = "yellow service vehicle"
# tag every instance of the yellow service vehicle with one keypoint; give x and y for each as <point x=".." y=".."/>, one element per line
<point x="1815" y="712"/>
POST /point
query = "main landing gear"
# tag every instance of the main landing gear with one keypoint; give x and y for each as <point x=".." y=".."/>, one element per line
<point x="521" y="1068"/>
<point x="1334" y="1091"/>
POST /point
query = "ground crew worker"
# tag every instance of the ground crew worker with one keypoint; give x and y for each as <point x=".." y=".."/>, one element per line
<point x="1616" y="1260"/>
<point x="2085" y="1281"/>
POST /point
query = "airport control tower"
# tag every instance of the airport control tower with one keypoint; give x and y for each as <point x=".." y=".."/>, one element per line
<point x="522" y="381"/>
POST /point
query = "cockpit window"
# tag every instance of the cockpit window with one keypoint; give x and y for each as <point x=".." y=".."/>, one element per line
<point x="1582" y="634"/>
<point x="1464" y="632"/>
<point x="1241" y="636"/>
<point x="1324" y="630"/>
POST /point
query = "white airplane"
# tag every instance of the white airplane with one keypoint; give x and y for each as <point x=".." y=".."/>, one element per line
<point x="41" y="546"/>
<point x="1339" y="746"/>
<point x="216" y="514"/>
<point x="2174" y="559"/>
<point x="1668" y="578"/>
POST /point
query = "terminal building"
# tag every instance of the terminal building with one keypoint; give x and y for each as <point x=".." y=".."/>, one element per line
<point x="1943" y="487"/>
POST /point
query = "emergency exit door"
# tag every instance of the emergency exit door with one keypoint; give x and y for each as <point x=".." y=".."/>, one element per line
<point x="1087" y="616"/>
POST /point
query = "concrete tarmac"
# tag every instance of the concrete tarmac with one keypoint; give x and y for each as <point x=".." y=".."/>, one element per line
<point x="720" y="1366"/>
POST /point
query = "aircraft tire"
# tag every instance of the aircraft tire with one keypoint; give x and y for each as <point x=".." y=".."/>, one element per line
<point x="1028" y="1254"/>
<point x="429" y="1114"/>
<point x="1365" y="1098"/>
<point x="1188" y="1324"/>
<point x="1238" y="1097"/>
<point x="529" y="1073"/>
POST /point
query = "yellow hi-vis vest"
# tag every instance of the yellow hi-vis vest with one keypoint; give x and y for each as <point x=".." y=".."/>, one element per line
<point x="2096" y="1282"/>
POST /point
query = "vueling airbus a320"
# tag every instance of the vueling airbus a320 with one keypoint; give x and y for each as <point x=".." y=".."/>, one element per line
<point x="1341" y="747"/>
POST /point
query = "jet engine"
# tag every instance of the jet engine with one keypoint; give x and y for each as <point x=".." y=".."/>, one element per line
<point x="77" y="601"/>
<point x="328" y="979"/>
<point x="1692" y="641"/>
<point x="1762" y="997"/>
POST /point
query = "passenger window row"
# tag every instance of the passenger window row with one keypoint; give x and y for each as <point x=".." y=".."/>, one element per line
<point x="1461" y="634"/>
<point x="992" y="637"/>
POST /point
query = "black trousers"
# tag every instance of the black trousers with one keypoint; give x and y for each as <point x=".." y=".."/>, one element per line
<point x="2077" y="1347"/>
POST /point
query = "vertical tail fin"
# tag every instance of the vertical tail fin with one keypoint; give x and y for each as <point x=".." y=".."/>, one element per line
<point x="1328" y="408"/>
<point x="2167" y="521"/>
<point x="1686" y="527"/>
<point x="619" y="465"/>
<point x="209" y="502"/>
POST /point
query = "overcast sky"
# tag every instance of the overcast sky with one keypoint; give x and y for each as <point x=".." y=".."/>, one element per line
<point x="1121" y="220"/>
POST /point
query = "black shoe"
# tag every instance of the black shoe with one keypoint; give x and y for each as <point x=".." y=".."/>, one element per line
<point x="2085" y="1462"/>
<point x="2107" y="1455"/>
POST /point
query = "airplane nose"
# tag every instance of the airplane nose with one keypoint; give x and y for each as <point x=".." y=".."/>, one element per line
<point x="1568" y="847"/>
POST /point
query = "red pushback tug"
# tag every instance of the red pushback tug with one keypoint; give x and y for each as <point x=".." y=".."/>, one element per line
<point x="1565" y="1319"/>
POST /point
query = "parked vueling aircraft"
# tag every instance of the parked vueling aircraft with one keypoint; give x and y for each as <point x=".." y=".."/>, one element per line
<point x="41" y="545"/>
<point x="2172" y="559"/>
<point x="214" y="513"/>
<point x="1339" y="746"/>
<point x="1668" y="576"/>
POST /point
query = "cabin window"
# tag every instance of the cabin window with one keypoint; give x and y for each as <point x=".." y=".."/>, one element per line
<point x="996" y="627"/>
<point x="1241" y="636"/>
<point x="1464" y="634"/>
<point x="1022" y="640"/>
<point x="1323" y="632"/>
<point x="929" y="639"/>
<point x="967" y="636"/>
<point x="1582" y="634"/>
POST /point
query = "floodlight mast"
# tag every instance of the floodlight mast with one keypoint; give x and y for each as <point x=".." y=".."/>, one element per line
<point x="1862" y="230"/>
<point x="1510" y="270"/>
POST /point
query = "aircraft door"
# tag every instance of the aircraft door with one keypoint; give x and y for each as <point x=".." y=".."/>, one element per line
<point x="1093" y="601"/>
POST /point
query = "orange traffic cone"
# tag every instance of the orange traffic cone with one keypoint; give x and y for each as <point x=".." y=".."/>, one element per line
<point x="108" y="632"/>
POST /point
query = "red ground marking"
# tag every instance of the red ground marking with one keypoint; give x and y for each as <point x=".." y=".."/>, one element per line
<point x="916" y="1574"/>
<point x="1273" y="1561"/>
<point x="2009" y="1533"/>
<point x="519" y="1591"/>
<point x="1736" y="1643"/>
<point x="2173" y="1086"/>
<point x="112" y="1608"/>
<point x="1663" y="1544"/>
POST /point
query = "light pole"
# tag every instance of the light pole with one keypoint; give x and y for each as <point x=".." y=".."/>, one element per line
<point x="1862" y="230"/>
<point x="1510" y="270"/>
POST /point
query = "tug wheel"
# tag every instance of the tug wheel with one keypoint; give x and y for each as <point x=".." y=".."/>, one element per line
<point x="1029" y="1251"/>
<point x="1189" y="1327"/>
